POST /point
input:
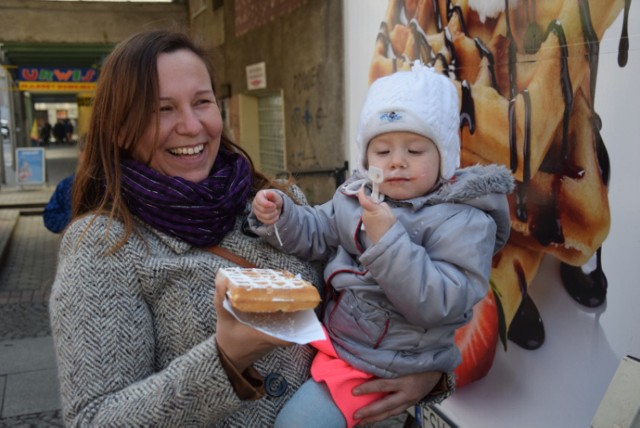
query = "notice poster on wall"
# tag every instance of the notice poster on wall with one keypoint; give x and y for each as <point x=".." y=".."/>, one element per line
<point x="31" y="164"/>
<point x="549" y="90"/>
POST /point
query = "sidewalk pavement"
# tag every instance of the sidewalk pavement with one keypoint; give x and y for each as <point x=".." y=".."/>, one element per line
<point x="28" y="377"/>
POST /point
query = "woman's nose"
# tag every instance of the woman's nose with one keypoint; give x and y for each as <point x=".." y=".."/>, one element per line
<point x="189" y="123"/>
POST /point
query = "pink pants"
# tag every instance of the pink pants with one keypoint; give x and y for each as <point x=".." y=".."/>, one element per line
<point x="340" y="378"/>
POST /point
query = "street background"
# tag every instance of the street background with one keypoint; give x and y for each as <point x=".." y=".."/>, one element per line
<point x="28" y="254"/>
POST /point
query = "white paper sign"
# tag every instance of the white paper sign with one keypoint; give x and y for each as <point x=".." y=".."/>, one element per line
<point x="256" y="76"/>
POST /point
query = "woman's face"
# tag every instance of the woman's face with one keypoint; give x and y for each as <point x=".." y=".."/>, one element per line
<point x="190" y="122"/>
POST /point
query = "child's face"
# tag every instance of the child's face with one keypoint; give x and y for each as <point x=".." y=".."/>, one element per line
<point x="410" y="162"/>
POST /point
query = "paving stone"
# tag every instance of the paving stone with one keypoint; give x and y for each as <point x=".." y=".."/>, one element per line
<point x="22" y="320"/>
<point x="30" y="261"/>
<point x="31" y="392"/>
<point x="34" y="420"/>
<point x="26" y="355"/>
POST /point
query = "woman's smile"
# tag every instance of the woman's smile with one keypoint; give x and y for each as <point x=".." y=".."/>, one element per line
<point x="187" y="150"/>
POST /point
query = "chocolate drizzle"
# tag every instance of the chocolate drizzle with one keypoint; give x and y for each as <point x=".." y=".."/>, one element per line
<point x="526" y="329"/>
<point x="436" y="12"/>
<point x="513" y="150"/>
<point x="513" y="51"/>
<point x="451" y="48"/>
<point x="601" y="151"/>
<point x="565" y="82"/>
<point x="521" y="187"/>
<point x="383" y="36"/>
<point x="588" y="289"/>
<point x="486" y="53"/>
<point x="443" y="59"/>
<point x="593" y="45"/>
<point x="623" y="47"/>
<point x="467" y="110"/>
<point x="451" y="9"/>
<point x="422" y="48"/>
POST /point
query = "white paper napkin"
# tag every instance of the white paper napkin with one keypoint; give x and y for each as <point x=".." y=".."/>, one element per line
<point x="298" y="327"/>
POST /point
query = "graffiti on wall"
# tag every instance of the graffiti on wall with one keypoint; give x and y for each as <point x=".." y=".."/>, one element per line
<point x="526" y="74"/>
<point x="307" y="117"/>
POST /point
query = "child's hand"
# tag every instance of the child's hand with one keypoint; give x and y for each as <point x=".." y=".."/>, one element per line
<point x="267" y="206"/>
<point x="377" y="217"/>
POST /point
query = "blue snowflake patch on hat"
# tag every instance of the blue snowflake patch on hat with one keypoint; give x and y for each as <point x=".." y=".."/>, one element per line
<point x="390" y="116"/>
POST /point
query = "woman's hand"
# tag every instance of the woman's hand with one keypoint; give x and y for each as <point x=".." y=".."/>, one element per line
<point x="242" y="344"/>
<point x="403" y="392"/>
<point x="267" y="206"/>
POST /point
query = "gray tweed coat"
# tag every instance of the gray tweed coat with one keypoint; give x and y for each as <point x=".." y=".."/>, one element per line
<point x="134" y="331"/>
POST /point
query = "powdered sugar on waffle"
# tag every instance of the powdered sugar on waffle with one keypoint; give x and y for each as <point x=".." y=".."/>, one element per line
<point x="263" y="278"/>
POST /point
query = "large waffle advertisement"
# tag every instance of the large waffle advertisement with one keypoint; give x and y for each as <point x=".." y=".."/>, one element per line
<point x="548" y="89"/>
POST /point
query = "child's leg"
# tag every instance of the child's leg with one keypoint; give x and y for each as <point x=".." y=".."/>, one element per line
<point x="310" y="407"/>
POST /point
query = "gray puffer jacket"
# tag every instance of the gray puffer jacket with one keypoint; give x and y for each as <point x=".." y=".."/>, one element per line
<point x="397" y="303"/>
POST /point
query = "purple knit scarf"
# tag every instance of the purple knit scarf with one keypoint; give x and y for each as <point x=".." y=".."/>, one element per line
<point x="198" y="213"/>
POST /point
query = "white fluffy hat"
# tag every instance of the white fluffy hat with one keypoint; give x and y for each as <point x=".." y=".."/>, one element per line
<point x="422" y="101"/>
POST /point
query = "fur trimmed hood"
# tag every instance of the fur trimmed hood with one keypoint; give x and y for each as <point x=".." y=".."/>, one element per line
<point x="481" y="186"/>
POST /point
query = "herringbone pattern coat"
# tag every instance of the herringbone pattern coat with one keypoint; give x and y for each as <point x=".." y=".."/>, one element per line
<point x="134" y="331"/>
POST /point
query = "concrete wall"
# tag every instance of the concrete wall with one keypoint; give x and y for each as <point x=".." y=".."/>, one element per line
<point x="84" y="22"/>
<point x="303" y="54"/>
<point x="302" y="50"/>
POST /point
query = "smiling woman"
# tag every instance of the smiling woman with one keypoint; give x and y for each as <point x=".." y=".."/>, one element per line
<point x="158" y="184"/>
<point x="140" y="332"/>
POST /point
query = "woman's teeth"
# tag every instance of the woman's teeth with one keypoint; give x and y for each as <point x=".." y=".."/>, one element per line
<point x="182" y="151"/>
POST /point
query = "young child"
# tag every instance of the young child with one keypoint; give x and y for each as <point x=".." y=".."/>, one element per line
<point x="402" y="274"/>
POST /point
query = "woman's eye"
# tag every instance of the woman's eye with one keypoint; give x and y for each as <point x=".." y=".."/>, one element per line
<point x="165" y="108"/>
<point x="204" y="101"/>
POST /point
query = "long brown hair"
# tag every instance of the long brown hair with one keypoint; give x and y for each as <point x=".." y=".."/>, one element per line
<point x="126" y="98"/>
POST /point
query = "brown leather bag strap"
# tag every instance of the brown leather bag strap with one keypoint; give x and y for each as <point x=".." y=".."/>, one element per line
<point x="231" y="256"/>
